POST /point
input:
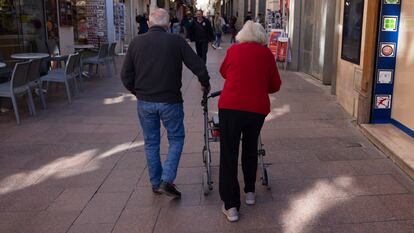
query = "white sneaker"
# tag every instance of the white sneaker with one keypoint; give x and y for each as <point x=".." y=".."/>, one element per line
<point x="3" y="110"/>
<point x="220" y="48"/>
<point x="250" y="198"/>
<point x="231" y="214"/>
<point x="214" y="47"/>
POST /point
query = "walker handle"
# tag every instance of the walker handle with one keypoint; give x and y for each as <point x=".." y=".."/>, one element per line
<point x="215" y="94"/>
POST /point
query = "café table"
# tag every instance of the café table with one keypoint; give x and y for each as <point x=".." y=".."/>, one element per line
<point x="84" y="46"/>
<point x="28" y="56"/>
<point x="2" y="65"/>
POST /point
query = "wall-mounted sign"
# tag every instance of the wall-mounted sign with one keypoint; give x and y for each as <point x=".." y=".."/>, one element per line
<point x="389" y="23"/>
<point x="387" y="45"/>
<point x="383" y="101"/>
<point x="387" y="49"/>
<point x="392" y="2"/>
<point x="385" y="77"/>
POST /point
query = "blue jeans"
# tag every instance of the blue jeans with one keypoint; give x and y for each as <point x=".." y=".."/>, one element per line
<point x="172" y="116"/>
<point x="218" y="39"/>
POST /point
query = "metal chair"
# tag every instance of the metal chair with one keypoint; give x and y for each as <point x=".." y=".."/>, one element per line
<point x="100" y="59"/>
<point x="78" y="70"/>
<point x="64" y="76"/>
<point x="18" y="86"/>
<point x="34" y="81"/>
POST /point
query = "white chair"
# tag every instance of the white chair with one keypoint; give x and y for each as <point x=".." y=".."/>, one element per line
<point x="64" y="75"/>
<point x="17" y="87"/>
<point x="34" y="81"/>
<point x="100" y="59"/>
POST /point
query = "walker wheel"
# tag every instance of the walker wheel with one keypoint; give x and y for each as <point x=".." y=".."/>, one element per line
<point x="265" y="179"/>
<point x="206" y="186"/>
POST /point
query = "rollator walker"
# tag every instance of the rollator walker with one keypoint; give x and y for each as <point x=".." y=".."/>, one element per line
<point x="212" y="134"/>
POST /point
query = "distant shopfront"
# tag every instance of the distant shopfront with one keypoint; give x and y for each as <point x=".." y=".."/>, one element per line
<point x="24" y="23"/>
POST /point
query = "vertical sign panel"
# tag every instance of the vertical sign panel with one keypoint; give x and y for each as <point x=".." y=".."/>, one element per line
<point x="386" y="61"/>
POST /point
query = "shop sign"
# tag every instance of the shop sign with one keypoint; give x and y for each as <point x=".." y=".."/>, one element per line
<point x="385" y="77"/>
<point x="383" y="101"/>
<point x="387" y="49"/>
<point x="389" y="23"/>
<point x="392" y="1"/>
<point x="386" y="61"/>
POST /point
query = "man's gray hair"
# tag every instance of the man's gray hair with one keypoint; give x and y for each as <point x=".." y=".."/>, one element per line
<point x="159" y="17"/>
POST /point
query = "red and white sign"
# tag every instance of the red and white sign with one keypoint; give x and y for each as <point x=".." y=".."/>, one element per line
<point x="383" y="101"/>
<point x="387" y="50"/>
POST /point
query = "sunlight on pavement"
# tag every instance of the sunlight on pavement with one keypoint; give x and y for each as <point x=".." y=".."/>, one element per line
<point x="277" y="112"/>
<point x="310" y="205"/>
<point x="72" y="165"/>
<point x="56" y="165"/>
<point x="119" y="99"/>
<point x="120" y="148"/>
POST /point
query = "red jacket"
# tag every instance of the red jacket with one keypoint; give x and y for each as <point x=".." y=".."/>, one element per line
<point x="251" y="74"/>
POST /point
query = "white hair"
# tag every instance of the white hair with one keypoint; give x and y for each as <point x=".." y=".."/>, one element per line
<point x="159" y="17"/>
<point x="252" y="32"/>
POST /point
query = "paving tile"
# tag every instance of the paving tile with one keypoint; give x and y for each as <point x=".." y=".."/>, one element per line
<point x="15" y="221"/>
<point x="375" y="227"/>
<point x="72" y="199"/>
<point x="74" y="178"/>
<point x="355" y="210"/>
<point x="29" y="199"/>
<point x="284" y="171"/>
<point x="401" y="206"/>
<point x="326" y="169"/>
<point x="103" y="208"/>
<point x="376" y="185"/>
<point x="132" y="160"/>
<point x="374" y="167"/>
<point x="47" y="222"/>
<point x="91" y="228"/>
<point x="137" y="220"/>
<point x="298" y="156"/>
<point x="121" y="180"/>
<point x="357" y="153"/>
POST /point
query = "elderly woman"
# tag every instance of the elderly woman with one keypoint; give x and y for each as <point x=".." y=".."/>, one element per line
<point x="250" y="74"/>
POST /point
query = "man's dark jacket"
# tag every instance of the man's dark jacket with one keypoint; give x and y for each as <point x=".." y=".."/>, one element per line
<point x="201" y="32"/>
<point x="153" y="65"/>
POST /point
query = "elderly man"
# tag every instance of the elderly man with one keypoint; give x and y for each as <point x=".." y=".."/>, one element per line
<point x="152" y="71"/>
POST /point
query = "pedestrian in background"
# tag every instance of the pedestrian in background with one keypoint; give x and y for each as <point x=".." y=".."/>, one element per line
<point x="152" y="71"/>
<point x="233" y="30"/>
<point x="201" y="32"/>
<point x="248" y="17"/>
<point x="142" y="21"/>
<point x="185" y="24"/>
<point x="250" y="74"/>
<point x="218" y="29"/>
<point x="175" y="25"/>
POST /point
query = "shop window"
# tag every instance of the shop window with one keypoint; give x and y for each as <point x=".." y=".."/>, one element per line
<point x="352" y="30"/>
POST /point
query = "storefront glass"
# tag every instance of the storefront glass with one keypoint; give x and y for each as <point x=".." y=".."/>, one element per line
<point x="402" y="107"/>
<point x="22" y="26"/>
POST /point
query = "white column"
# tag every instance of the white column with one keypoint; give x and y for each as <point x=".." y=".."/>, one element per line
<point x="110" y="20"/>
<point x="153" y="5"/>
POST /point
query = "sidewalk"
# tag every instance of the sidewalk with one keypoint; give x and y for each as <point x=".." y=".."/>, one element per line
<point x="81" y="168"/>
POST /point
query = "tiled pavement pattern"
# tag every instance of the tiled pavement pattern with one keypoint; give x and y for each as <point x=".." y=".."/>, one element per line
<point x="81" y="168"/>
